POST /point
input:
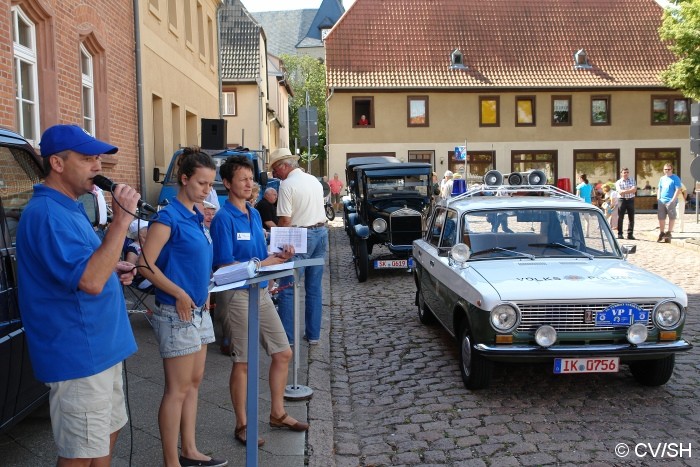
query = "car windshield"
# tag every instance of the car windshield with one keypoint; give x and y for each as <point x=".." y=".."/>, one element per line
<point x="412" y="185"/>
<point x="171" y="177"/>
<point x="537" y="233"/>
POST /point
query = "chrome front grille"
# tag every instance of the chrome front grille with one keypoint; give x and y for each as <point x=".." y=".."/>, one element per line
<point x="565" y="317"/>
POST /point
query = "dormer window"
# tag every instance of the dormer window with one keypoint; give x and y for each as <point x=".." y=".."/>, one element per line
<point x="457" y="60"/>
<point x="324" y="33"/>
<point x="581" y="60"/>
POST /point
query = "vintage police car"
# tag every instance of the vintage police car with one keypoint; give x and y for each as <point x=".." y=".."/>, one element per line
<point x="388" y="205"/>
<point x="532" y="273"/>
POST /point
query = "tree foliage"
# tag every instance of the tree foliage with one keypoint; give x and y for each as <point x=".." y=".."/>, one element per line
<point x="307" y="73"/>
<point x="681" y="28"/>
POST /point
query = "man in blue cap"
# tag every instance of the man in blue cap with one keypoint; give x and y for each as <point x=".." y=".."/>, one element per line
<point x="71" y="299"/>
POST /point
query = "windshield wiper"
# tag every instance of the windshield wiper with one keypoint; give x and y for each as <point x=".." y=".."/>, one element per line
<point x="507" y="250"/>
<point x="561" y="245"/>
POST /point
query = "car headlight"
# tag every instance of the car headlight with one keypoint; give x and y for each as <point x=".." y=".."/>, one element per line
<point x="667" y="315"/>
<point x="379" y="225"/>
<point x="546" y="336"/>
<point x="504" y="318"/>
<point x="460" y="253"/>
<point x="637" y="333"/>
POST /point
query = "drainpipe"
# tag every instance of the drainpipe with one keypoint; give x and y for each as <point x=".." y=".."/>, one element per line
<point x="139" y="101"/>
<point x="328" y="132"/>
<point x="219" y="9"/>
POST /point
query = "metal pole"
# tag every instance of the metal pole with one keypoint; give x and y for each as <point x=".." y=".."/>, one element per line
<point x="251" y="447"/>
<point x="466" y="166"/>
<point x="308" y="135"/>
<point x="295" y="391"/>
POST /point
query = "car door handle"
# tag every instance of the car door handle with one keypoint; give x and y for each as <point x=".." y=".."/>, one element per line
<point x="432" y="263"/>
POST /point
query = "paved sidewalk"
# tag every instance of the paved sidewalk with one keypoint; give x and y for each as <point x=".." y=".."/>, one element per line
<point x="647" y="228"/>
<point x="30" y="443"/>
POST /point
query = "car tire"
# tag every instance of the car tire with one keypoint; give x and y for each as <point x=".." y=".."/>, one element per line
<point x="475" y="369"/>
<point x="330" y="212"/>
<point x="425" y="316"/>
<point x="361" y="260"/>
<point x="653" y="372"/>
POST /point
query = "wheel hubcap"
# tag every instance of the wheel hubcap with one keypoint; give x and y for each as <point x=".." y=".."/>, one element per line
<point x="466" y="355"/>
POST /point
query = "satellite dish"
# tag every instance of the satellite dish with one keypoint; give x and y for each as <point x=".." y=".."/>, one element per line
<point x="695" y="168"/>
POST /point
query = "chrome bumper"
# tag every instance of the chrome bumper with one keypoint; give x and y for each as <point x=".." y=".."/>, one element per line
<point x="592" y="350"/>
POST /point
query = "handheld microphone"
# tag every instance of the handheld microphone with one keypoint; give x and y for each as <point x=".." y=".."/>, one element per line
<point x="107" y="184"/>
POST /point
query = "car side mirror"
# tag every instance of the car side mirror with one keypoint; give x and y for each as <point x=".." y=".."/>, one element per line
<point x="156" y="174"/>
<point x="89" y="202"/>
<point x="629" y="248"/>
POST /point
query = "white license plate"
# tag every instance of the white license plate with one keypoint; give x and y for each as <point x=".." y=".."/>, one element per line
<point x="586" y="365"/>
<point x="390" y="263"/>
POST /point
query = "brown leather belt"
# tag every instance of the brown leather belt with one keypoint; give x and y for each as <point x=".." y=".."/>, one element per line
<point x="315" y="226"/>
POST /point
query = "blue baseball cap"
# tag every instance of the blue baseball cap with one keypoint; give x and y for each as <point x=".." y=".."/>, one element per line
<point x="72" y="138"/>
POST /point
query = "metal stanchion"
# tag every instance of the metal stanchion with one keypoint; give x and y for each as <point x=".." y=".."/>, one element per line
<point x="254" y="362"/>
<point x="296" y="391"/>
<point x="251" y="446"/>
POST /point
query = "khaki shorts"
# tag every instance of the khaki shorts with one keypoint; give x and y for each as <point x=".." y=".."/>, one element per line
<point x="85" y="412"/>
<point x="234" y="304"/>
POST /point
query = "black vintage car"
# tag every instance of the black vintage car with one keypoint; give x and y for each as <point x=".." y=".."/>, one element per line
<point x="20" y="392"/>
<point x="388" y="204"/>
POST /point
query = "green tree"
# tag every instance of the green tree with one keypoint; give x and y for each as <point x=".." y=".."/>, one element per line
<point x="681" y="29"/>
<point x="307" y="73"/>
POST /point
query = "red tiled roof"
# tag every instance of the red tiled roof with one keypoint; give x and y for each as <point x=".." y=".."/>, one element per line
<point x="505" y="44"/>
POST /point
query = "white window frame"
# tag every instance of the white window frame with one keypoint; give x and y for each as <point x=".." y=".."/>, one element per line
<point x="88" y="89"/>
<point x="229" y="103"/>
<point x="27" y="56"/>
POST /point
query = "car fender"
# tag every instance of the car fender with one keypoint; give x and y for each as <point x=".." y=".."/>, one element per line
<point x="361" y="231"/>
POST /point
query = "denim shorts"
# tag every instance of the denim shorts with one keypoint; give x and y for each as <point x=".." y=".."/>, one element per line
<point x="176" y="337"/>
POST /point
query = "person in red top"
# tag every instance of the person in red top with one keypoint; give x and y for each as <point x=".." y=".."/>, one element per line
<point x="336" y="186"/>
<point x="363" y="121"/>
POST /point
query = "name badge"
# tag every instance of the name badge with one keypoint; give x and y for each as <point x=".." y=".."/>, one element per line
<point x="243" y="236"/>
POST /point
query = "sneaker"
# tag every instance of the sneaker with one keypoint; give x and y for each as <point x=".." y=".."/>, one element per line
<point x="631" y="237"/>
<point x="620" y="237"/>
<point x="661" y="238"/>
<point x="311" y="341"/>
<point x="667" y="237"/>
<point x="185" y="462"/>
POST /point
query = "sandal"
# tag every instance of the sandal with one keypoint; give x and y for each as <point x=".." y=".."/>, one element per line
<point x="241" y="436"/>
<point x="279" y="423"/>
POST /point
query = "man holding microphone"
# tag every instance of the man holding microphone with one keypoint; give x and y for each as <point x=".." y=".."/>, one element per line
<point x="71" y="298"/>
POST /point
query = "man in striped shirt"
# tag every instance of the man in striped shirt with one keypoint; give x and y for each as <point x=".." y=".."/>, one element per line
<point x="627" y="189"/>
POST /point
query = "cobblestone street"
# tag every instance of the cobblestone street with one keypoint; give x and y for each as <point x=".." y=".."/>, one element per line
<point x="398" y="398"/>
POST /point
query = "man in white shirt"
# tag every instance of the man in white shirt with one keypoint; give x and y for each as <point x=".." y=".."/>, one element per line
<point x="300" y="204"/>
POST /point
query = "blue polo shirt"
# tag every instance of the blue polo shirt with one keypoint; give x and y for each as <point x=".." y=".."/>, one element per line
<point x="71" y="334"/>
<point x="237" y="238"/>
<point x="186" y="257"/>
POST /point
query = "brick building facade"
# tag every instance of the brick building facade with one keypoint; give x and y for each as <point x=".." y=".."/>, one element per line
<point x="72" y="63"/>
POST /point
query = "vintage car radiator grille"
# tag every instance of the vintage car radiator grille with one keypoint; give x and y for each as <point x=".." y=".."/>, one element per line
<point x="405" y="226"/>
<point x="568" y="317"/>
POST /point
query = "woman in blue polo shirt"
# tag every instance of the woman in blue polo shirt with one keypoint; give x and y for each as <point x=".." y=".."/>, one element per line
<point x="238" y="236"/>
<point x="177" y="259"/>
